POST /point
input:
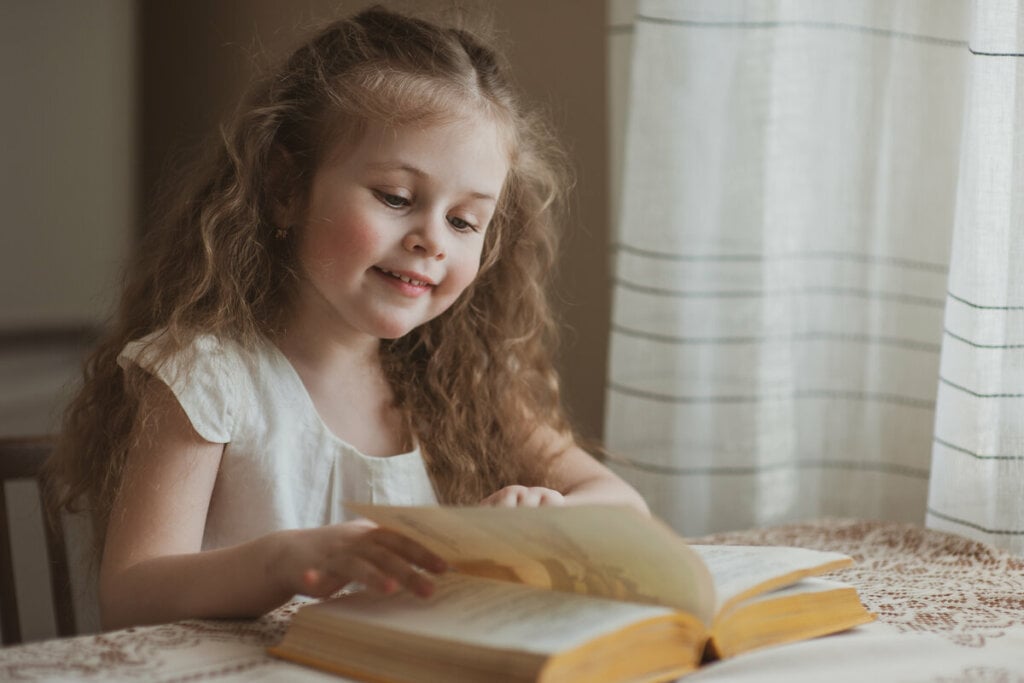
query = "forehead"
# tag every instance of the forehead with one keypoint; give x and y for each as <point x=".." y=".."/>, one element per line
<point x="472" y="149"/>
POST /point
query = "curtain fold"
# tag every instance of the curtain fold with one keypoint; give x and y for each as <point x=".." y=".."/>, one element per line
<point x="816" y="307"/>
<point x="977" y="480"/>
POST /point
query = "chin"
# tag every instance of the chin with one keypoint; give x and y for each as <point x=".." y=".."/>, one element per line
<point x="392" y="337"/>
<point x="393" y="330"/>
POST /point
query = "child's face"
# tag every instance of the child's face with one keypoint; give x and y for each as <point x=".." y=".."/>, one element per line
<point x="394" y="228"/>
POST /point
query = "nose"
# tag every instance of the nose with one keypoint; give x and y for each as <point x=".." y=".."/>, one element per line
<point x="426" y="236"/>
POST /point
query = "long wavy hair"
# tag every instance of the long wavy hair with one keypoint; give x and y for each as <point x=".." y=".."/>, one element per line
<point x="472" y="383"/>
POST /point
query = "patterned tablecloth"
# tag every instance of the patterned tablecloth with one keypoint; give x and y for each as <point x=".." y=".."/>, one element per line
<point x="950" y="610"/>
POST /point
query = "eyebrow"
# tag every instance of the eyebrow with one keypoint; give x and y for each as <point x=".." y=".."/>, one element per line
<point x="416" y="171"/>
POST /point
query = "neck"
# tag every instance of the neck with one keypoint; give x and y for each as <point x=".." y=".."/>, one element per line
<point x="307" y="341"/>
<point x="344" y="379"/>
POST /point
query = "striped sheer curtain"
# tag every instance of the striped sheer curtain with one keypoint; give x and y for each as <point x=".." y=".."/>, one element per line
<point x="818" y="300"/>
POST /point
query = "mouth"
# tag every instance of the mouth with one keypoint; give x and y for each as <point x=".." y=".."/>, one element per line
<point x="412" y="279"/>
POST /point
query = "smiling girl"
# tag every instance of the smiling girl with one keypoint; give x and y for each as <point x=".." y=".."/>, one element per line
<point x="348" y="305"/>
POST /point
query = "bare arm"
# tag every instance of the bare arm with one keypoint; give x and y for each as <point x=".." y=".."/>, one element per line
<point x="576" y="478"/>
<point x="154" y="571"/>
<point x="582" y="479"/>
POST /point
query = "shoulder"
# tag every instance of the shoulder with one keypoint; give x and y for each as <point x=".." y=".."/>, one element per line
<point x="167" y="356"/>
<point x="211" y="377"/>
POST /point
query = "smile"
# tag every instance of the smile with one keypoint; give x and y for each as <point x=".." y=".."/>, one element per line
<point x="405" y="278"/>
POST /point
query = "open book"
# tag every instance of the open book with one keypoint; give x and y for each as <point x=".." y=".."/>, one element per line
<point x="587" y="593"/>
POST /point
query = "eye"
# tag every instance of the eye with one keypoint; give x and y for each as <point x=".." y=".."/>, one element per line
<point x="460" y="224"/>
<point x="392" y="201"/>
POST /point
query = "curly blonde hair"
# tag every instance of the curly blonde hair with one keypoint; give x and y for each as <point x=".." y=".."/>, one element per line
<point x="473" y="382"/>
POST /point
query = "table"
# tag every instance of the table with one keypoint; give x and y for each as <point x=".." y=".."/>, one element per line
<point x="950" y="610"/>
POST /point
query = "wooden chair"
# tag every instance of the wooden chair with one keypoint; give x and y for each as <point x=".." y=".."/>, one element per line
<point x="22" y="458"/>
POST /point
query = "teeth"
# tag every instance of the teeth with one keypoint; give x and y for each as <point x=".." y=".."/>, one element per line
<point x="404" y="278"/>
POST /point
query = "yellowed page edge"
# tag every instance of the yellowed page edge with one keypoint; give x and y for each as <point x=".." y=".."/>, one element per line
<point x="785" y="580"/>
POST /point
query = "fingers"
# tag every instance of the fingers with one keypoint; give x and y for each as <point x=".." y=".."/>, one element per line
<point x="551" y="497"/>
<point x="319" y="584"/>
<point x="524" y="496"/>
<point x="383" y="561"/>
<point x="410" y="550"/>
<point x="389" y="561"/>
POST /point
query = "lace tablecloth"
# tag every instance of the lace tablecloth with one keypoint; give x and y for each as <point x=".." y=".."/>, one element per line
<point x="949" y="610"/>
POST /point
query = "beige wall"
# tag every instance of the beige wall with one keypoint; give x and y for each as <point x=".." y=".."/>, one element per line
<point x="67" y="180"/>
<point x="67" y="187"/>
<point x="198" y="56"/>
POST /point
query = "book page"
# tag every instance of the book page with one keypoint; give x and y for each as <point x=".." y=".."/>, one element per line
<point x="740" y="572"/>
<point x="500" y="614"/>
<point x="607" y="551"/>
<point x="806" y="586"/>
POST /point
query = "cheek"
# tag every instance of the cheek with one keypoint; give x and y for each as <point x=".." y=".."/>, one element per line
<point x="340" y="243"/>
<point x="468" y="267"/>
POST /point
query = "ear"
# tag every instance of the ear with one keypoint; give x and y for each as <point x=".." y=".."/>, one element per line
<point x="283" y="188"/>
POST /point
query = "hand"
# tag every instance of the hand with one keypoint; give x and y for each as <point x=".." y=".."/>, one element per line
<point x="319" y="562"/>
<point x="524" y="496"/>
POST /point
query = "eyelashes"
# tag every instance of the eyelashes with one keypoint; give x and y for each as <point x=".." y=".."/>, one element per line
<point x="398" y="202"/>
<point x="460" y="224"/>
<point x="392" y="201"/>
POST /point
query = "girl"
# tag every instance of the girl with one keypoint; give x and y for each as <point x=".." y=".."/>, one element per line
<point x="348" y="304"/>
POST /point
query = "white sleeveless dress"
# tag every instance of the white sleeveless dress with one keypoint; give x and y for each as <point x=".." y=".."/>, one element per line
<point x="282" y="468"/>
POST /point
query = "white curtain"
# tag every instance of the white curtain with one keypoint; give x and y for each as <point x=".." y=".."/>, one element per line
<point x="818" y="300"/>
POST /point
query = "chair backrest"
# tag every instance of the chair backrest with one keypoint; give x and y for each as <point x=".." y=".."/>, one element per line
<point x="22" y="458"/>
